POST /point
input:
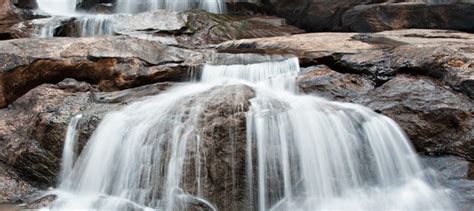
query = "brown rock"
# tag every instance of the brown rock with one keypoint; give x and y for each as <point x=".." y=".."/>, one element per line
<point x="327" y="83"/>
<point x="393" y="16"/>
<point x="222" y="127"/>
<point x="32" y="130"/>
<point x="112" y="63"/>
<point x="13" y="189"/>
<point x="437" y="120"/>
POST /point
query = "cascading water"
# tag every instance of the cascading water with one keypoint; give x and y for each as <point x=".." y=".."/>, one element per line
<point x="131" y="6"/>
<point x="58" y="7"/>
<point x="94" y="25"/>
<point x="297" y="152"/>
<point x="70" y="148"/>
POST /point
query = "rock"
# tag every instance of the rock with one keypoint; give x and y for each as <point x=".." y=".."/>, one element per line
<point x="9" y="16"/>
<point x="453" y="172"/>
<point x="392" y="16"/>
<point x="452" y="63"/>
<point x="32" y="130"/>
<point x="92" y="5"/>
<point x="13" y="189"/>
<point x="436" y="119"/>
<point x="373" y="15"/>
<point x="433" y="105"/>
<point x="327" y="83"/>
<point x="41" y="202"/>
<point x="112" y="63"/>
<point x="311" y="15"/>
<point x="197" y="28"/>
<point x="222" y="128"/>
<point x="160" y="20"/>
<point x="445" y="55"/>
<point x="26" y="4"/>
<point x="305" y="46"/>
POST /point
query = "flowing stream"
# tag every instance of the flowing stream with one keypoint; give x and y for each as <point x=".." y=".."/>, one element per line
<point x="242" y="138"/>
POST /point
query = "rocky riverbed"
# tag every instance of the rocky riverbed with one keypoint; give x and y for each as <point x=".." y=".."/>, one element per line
<point x="422" y="78"/>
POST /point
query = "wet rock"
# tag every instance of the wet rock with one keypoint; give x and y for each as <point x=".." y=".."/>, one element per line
<point x="222" y="158"/>
<point x="436" y="119"/>
<point x="453" y="172"/>
<point x="40" y="203"/>
<point x="327" y="83"/>
<point x="112" y="63"/>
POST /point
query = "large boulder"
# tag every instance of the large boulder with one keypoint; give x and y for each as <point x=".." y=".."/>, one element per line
<point x="325" y="82"/>
<point x="113" y="63"/>
<point x="437" y="119"/>
<point x="221" y="127"/>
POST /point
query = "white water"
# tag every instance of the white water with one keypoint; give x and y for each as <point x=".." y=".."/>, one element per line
<point x="58" y="7"/>
<point x="131" y="6"/>
<point x="70" y="148"/>
<point x="303" y="152"/>
<point x="94" y="25"/>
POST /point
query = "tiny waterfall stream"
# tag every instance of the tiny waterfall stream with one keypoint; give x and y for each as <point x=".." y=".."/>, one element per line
<point x="295" y="152"/>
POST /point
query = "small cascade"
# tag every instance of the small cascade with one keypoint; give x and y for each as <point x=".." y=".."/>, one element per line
<point x="94" y="25"/>
<point x="214" y="6"/>
<point x="130" y="6"/>
<point x="70" y="148"/>
<point x="189" y="148"/>
<point x="45" y="27"/>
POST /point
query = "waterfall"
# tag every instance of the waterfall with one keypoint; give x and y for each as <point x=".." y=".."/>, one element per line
<point x="70" y="148"/>
<point x="94" y="25"/>
<point x="131" y="6"/>
<point x="58" y="7"/>
<point x="185" y="149"/>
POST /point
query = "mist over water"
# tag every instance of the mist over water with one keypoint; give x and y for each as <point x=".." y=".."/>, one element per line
<point x="301" y="152"/>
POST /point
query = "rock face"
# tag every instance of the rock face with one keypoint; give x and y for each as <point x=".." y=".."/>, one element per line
<point x="13" y="189"/>
<point x="373" y="16"/>
<point x="437" y="119"/>
<point x="390" y="16"/>
<point x="112" y="63"/>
